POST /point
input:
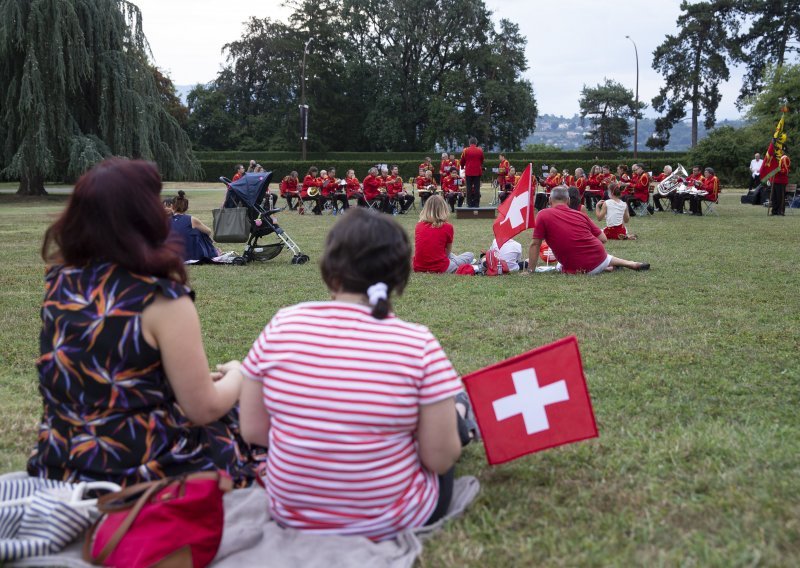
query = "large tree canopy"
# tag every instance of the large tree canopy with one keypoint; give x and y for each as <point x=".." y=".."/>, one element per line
<point x="381" y="75"/>
<point x="692" y="65"/>
<point x="77" y="86"/>
<point x="609" y="107"/>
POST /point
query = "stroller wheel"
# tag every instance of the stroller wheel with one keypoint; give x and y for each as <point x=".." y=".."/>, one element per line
<point x="300" y="259"/>
<point x="239" y="261"/>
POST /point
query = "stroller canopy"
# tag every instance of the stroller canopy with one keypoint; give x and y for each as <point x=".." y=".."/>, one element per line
<point x="250" y="188"/>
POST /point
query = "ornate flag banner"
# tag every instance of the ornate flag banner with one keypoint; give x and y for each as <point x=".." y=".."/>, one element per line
<point x="773" y="155"/>
<point x="532" y="402"/>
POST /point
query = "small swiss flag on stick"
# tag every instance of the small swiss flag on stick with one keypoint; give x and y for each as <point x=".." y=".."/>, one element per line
<point x="532" y="402"/>
<point x="516" y="213"/>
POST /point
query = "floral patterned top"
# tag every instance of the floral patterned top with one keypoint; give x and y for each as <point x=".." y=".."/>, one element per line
<point x="109" y="412"/>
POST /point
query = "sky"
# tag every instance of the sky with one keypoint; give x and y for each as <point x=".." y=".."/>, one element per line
<point x="571" y="43"/>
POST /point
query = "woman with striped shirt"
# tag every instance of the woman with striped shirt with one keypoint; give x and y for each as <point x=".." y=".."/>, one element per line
<point x="363" y="437"/>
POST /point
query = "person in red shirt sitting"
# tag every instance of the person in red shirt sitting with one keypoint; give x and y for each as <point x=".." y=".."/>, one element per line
<point x="594" y="189"/>
<point x="311" y="190"/>
<point x="574" y="239"/>
<point x="693" y="183"/>
<point x="502" y="172"/>
<point x="444" y="168"/>
<point x="352" y="188"/>
<point x="239" y="172"/>
<point x="567" y="179"/>
<point x="426" y="185"/>
<point x="427" y="164"/>
<point x="552" y="180"/>
<point x="708" y="191"/>
<point x="451" y="186"/>
<point x="336" y="192"/>
<point x="637" y="190"/>
<point x="289" y="191"/>
<point x="579" y="181"/>
<point x="396" y="191"/>
<point x="657" y="197"/>
<point x="622" y="175"/>
<point x="433" y="240"/>
<point x="375" y="191"/>
<point x="512" y="179"/>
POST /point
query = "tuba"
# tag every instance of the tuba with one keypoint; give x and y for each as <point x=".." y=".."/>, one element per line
<point x="673" y="182"/>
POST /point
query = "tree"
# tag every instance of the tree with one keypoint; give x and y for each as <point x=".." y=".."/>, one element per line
<point x="381" y="75"/>
<point x="693" y="63"/>
<point x="773" y="36"/>
<point x="781" y="88"/>
<point x="610" y="106"/>
<point x="76" y="87"/>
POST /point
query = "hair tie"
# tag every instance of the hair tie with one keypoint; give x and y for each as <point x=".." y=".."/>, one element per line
<point x="377" y="292"/>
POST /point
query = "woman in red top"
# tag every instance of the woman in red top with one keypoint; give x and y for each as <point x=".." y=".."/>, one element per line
<point x="239" y="172"/>
<point x="594" y="191"/>
<point x="426" y="186"/>
<point x="353" y="188"/>
<point x="512" y="179"/>
<point x="312" y="181"/>
<point x="433" y="240"/>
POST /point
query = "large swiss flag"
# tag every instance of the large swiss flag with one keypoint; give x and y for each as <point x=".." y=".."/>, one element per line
<point x="532" y="402"/>
<point x="516" y="213"/>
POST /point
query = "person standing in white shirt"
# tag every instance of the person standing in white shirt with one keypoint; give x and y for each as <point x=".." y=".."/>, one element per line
<point x="755" y="170"/>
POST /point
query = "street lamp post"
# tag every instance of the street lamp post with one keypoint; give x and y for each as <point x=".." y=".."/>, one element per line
<point x="636" y="115"/>
<point x="303" y="105"/>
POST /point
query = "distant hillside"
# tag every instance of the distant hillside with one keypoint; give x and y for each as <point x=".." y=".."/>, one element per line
<point x="567" y="133"/>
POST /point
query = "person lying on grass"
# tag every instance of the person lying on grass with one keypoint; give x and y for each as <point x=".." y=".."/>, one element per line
<point x="364" y="434"/>
<point x="575" y="240"/>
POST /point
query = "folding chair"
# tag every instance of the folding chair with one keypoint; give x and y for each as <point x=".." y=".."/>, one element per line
<point x="709" y="207"/>
<point x="791" y="194"/>
<point x="412" y="193"/>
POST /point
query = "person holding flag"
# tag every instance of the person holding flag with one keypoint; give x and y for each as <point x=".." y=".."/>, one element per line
<point x="775" y="167"/>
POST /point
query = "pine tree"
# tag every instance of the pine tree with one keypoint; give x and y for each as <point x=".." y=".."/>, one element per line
<point x="77" y="86"/>
<point x="692" y="64"/>
<point x="772" y="39"/>
<point x="610" y="106"/>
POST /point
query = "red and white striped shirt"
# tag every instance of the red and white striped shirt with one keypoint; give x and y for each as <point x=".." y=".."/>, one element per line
<point x="343" y="391"/>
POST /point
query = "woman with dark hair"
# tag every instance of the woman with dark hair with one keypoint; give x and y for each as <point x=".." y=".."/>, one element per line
<point x="575" y="200"/>
<point x="366" y="426"/>
<point x="195" y="234"/>
<point x="123" y="374"/>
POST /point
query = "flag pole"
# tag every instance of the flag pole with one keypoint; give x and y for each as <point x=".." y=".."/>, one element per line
<point x="531" y="199"/>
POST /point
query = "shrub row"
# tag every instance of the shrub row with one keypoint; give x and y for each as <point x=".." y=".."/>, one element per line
<point x="265" y="157"/>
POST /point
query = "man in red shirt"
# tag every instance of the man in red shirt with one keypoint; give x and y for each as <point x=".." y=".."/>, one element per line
<point x="472" y="162"/>
<point x="289" y="190"/>
<point x="502" y="172"/>
<point x="694" y="181"/>
<point x="709" y="190"/>
<point x="396" y="192"/>
<point x="372" y="190"/>
<point x="452" y="189"/>
<point x="777" y="200"/>
<point x="657" y="197"/>
<point x="574" y="239"/>
<point x="638" y="190"/>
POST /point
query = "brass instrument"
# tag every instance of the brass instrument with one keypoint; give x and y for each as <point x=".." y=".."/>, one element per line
<point x="673" y="182"/>
<point x="313" y="191"/>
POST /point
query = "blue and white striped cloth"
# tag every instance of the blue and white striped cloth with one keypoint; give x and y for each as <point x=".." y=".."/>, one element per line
<point x="40" y="516"/>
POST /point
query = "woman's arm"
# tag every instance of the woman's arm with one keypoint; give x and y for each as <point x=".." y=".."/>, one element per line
<point x="626" y="216"/>
<point x="253" y="416"/>
<point x="200" y="226"/>
<point x="437" y="435"/>
<point x="173" y="327"/>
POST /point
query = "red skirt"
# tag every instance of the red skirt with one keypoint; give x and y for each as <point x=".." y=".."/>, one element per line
<point x="616" y="233"/>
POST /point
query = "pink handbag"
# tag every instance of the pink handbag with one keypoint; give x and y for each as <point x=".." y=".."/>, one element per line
<point x="170" y="523"/>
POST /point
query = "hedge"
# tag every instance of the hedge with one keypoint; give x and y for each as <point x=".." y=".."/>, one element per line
<point x="213" y="169"/>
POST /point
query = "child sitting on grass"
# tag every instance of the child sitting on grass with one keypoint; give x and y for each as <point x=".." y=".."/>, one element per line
<point x="615" y="212"/>
<point x="364" y="434"/>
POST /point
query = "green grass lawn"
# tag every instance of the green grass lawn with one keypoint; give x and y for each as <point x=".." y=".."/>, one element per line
<point x="692" y="367"/>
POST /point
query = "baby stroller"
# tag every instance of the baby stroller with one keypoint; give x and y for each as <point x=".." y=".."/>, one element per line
<point x="249" y="191"/>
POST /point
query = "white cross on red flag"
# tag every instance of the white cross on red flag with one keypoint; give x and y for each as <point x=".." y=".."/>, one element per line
<point x="532" y="402"/>
<point x="516" y="213"/>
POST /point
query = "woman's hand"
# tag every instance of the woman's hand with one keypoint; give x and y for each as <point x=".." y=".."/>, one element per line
<point x="229" y="366"/>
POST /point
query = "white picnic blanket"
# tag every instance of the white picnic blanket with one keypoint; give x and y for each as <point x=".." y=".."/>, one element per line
<point x="250" y="538"/>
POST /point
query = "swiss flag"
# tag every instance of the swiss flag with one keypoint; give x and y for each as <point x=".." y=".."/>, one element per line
<point x="532" y="402"/>
<point x="516" y="213"/>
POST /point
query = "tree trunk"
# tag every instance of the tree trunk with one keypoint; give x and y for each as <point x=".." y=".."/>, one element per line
<point x="31" y="186"/>
<point x="696" y="91"/>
